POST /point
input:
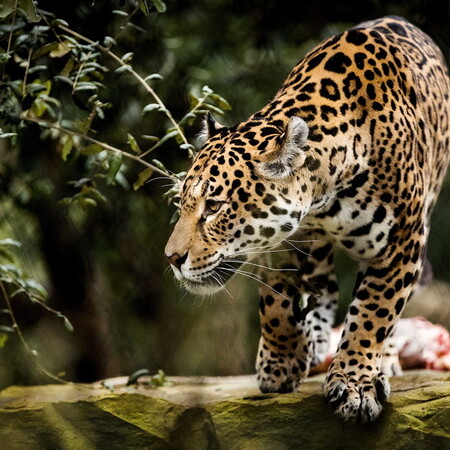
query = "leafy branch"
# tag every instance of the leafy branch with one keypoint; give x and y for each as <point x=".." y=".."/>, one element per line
<point x="13" y="279"/>
<point x="83" y="72"/>
<point x="54" y="77"/>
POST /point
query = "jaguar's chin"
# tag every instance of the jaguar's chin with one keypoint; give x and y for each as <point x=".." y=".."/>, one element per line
<point x="202" y="288"/>
<point x="214" y="281"/>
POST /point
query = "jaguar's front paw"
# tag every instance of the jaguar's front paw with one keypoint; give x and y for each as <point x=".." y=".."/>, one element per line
<point x="280" y="377"/>
<point x="280" y="371"/>
<point x="356" y="399"/>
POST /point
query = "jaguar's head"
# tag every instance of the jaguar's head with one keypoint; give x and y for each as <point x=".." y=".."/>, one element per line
<point x="241" y="195"/>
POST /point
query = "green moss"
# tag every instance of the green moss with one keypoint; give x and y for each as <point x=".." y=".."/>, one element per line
<point x="232" y="415"/>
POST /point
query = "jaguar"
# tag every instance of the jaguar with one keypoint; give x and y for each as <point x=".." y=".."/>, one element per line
<point x="351" y="153"/>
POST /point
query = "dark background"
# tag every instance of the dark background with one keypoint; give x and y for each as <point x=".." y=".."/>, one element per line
<point x="105" y="268"/>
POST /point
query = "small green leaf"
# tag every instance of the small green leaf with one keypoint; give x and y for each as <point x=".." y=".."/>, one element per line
<point x="92" y="149"/>
<point x="35" y="286"/>
<point x="85" y="201"/>
<point x="46" y="48"/>
<point x="213" y="108"/>
<point x="30" y="9"/>
<point x="9" y="241"/>
<point x="122" y="69"/>
<point x="6" y="8"/>
<point x="67" y="324"/>
<point x="65" y="72"/>
<point x="4" y="57"/>
<point x="127" y="57"/>
<point x="35" y="88"/>
<point x="142" y="178"/>
<point x="188" y="147"/>
<point x="114" y="162"/>
<point x="7" y="135"/>
<point x="58" y="22"/>
<point x="169" y="135"/>
<point x="150" y="138"/>
<point x="5" y="329"/>
<point x="159" y="165"/>
<point x="81" y="182"/>
<point x="193" y="100"/>
<point x="17" y="292"/>
<point x="39" y="107"/>
<point x="67" y="148"/>
<point x="95" y="194"/>
<point x="133" y="144"/>
<point x="39" y="68"/>
<point x="61" y="50"/>
<point x="151" y="107"/>
<point x="220" y="101"/>
<point x="86" y="86"/>
<point x="206" y="90"/>
<point x="143" y="6"/>
<point x="188" y="119"/>
<point x="160" y="379"/>
<point x="50" y="100"/>
<point x="153" y="76"/>
<point x="120" y="13"/>
<point x="109" y="41"/>
<point x="160" y="6"/>
<point x="136" y="375"/>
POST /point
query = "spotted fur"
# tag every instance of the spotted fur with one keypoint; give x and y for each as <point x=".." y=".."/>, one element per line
<point x="351" y="152"/>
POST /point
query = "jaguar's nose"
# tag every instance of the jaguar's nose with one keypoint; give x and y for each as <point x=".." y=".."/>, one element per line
<point x="177" y="260"/>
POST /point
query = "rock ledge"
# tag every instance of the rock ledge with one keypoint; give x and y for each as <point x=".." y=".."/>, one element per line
<point x="212" y="413"/>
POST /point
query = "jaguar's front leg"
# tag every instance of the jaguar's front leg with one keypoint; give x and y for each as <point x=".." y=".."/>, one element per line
<point x="285" y="347"/>
<point x="297" y="315"/>
<point x="316" y="275"/>
<point x="355" y="386"/>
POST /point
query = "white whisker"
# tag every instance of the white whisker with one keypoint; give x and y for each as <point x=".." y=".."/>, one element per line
<point x="302" y="241"/>
<point x="261" y="266"/>
<point x="265" y="252"/>
<point x="184" y="295"/>
<point x="248" y="275"/>
<point x="296" y="248"/>
<point x="163" y="178"/>
<point x="263" y="247"/>
<point x="219" y="280"/>
<point x="242" y="271"/>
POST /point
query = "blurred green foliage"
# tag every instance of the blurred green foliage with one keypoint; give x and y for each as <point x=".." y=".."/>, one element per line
<point x="103" y="266"/>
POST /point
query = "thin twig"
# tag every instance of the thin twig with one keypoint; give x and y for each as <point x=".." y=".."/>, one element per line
<point x="101" y="144"/>
<point x="126" y="22"/>
<point x="31" y="352"/>
<point x="27" y="68"/>
<point x="8" y="48"/>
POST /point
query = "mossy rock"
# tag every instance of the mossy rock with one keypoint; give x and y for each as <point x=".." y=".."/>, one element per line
<point x="218" y="413"/>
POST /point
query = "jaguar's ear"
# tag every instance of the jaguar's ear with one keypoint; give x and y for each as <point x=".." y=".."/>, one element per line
<point x="209" y="129"/>
<point x="289" y="154"/>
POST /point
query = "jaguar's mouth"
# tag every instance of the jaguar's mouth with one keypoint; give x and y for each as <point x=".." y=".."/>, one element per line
<point x="214" y="280"/>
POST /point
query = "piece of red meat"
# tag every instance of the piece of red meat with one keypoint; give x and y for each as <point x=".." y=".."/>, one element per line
<point x="420" y="343"/>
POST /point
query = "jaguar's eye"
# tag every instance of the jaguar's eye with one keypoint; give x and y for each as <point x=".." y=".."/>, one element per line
<point x="212" y="206"/>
